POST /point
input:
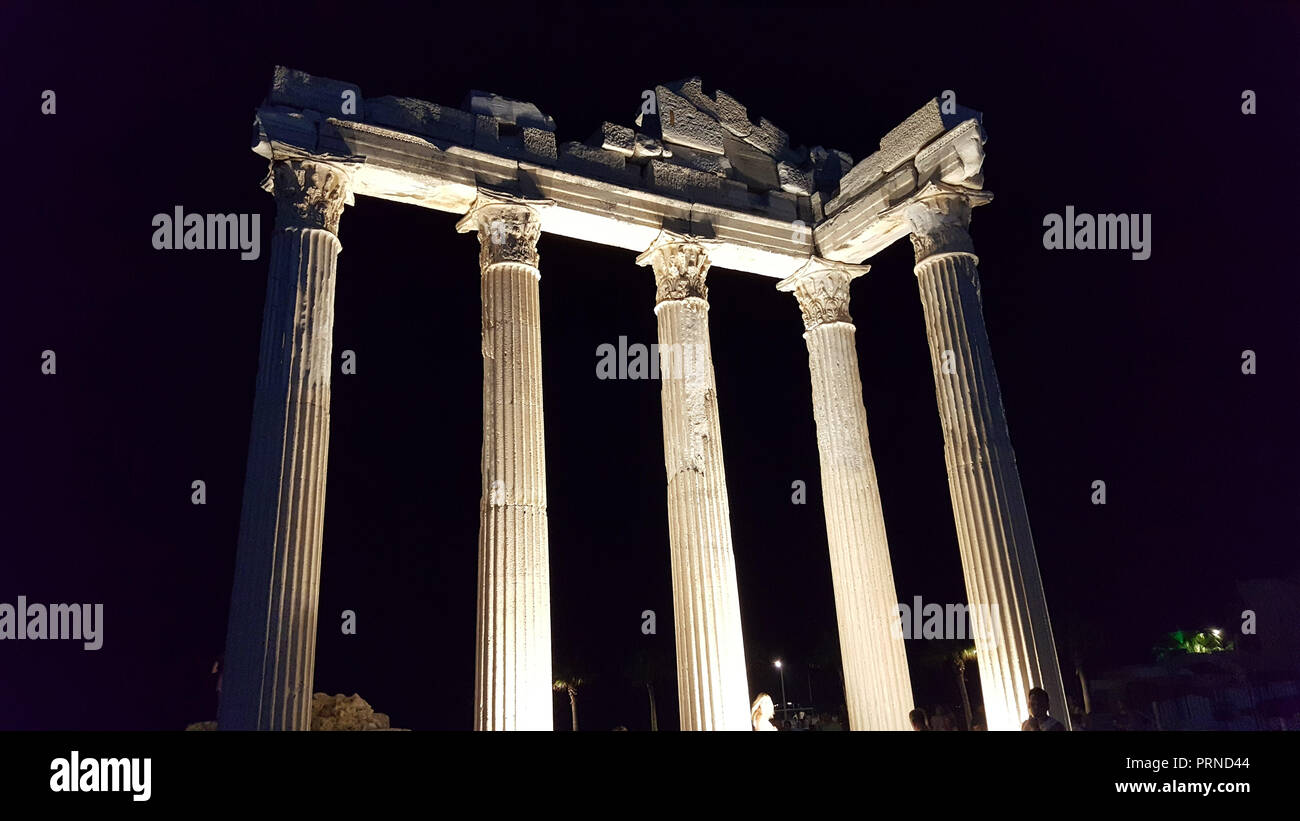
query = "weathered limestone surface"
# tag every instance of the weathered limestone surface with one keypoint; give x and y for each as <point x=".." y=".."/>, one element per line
<point x="302" y="90"/>
<point x="340" y="712"/>
<point x="931" y="147"/>
<point x="505" y="110"/>
<point x="876" y="678"/>
<point x="698" y="173"/>
<point x="271" y="634"/>
<point x="512" y="680"/>
<point x="726" y="185"/>
<point x="731" y="179"/>
<point x="997" y="549"/>
<point x="712" y="687"/>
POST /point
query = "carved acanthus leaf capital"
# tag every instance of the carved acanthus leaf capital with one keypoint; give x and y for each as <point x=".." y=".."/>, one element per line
<point x="508" y="228"/>
<point x="940" y="225"/>
<point x="822" y="288"/>
<point x="680" y="264"/>
<point x="310" y="193"/>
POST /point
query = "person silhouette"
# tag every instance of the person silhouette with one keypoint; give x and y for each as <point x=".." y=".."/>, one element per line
<point x="919" y="719"/>
<point x="1039" y="704"/>
<point x="761" y="712"/>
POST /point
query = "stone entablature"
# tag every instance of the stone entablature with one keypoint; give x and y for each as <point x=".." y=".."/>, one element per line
<point x="698" y="165"/>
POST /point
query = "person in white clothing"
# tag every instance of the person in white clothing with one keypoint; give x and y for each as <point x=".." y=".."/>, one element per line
<point x="760" y="714"/>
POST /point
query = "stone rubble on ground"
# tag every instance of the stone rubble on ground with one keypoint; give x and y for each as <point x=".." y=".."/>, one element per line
<point x="330" y="713"/>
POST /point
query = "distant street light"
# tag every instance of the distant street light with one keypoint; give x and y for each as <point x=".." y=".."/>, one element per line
<point x="782" y="671"/>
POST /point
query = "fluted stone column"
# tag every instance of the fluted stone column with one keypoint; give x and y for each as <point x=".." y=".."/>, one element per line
<point x="271" y="633"/>
<point x="997" y="550"/>
<point x="512" y="664"/>
<point x="712" y="688"/>
<point x="876" y="678"/>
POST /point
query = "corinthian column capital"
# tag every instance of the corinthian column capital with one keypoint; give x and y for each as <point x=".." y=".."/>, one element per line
<point x="680" y="264"/>
<point x="508" y="228"/>
<point x="940" y="226"/>
<point x="822" y="288"/>
<point x="940" y="220"/>
<point x="310" y="193"/>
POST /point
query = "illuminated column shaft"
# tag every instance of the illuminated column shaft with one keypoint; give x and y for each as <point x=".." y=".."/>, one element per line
<point x="712" y="688"/>
<point x="1016" y="649"/>
<point x="876" y="678"/>
<point x="512" y="672"/>
<point x="271" y="633"/>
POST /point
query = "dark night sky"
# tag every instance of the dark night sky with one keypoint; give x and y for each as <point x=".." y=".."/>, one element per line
<point x="1114" y="369"/>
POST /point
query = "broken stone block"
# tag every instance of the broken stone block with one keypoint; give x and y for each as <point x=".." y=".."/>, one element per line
<point x="768" y="138"/>
<point x="506" y="110"/>
<point x="596" y="162"/>
<point x="646" y="146"/>
<point x="885" y="193"/>
<point x="781" y="205"/>
<point x="418" y="117"/>
<point x="485" y="132"/>
<point x="682" y="123"/>
<point x="733" y="116"/>
<point x="539" y="145"/>
<point x="680" y="181"/>
<point x="510" y="140"/>
<point x="751" y="166"/>
<point x="330" y="97"/>
<point x="701" y="160"/>
<point x="860" y="177"/>
<point x="804" y="211"/>
<point x="614" y="137"/>
<point x="735" y="194"/>
<point x="910" y="136"/>
<point x="796" y="179"/>
<point x="818" y="210"/>
<point x="693" y="91"/>
<point x="955" y="157"/>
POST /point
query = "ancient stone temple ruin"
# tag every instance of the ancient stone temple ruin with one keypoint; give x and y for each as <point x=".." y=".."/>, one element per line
<point x="694" y="183"/>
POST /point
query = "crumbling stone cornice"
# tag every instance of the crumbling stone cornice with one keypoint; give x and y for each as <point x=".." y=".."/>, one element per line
<point x="697" y="163"/>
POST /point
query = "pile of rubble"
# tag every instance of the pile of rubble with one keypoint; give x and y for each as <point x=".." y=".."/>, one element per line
<point x="336" y="712"/>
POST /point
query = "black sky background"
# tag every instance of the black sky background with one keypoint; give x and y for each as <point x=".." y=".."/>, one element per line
<point x="1114" y="369"/>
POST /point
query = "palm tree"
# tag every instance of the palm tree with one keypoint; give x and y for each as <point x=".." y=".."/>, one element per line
<point x="947" y="656"/>
<point x="959" y="659"/>
<point x="570" y="684"/>
<point x="654" y="716"/>
<point x="643" y="667"/>
<point x="1086" y="640"/>
<point x="1180" y="641"/>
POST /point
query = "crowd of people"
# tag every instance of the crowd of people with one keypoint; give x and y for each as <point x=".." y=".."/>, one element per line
<point x="1039" y="720"/>
<point x="763" y="717"/>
